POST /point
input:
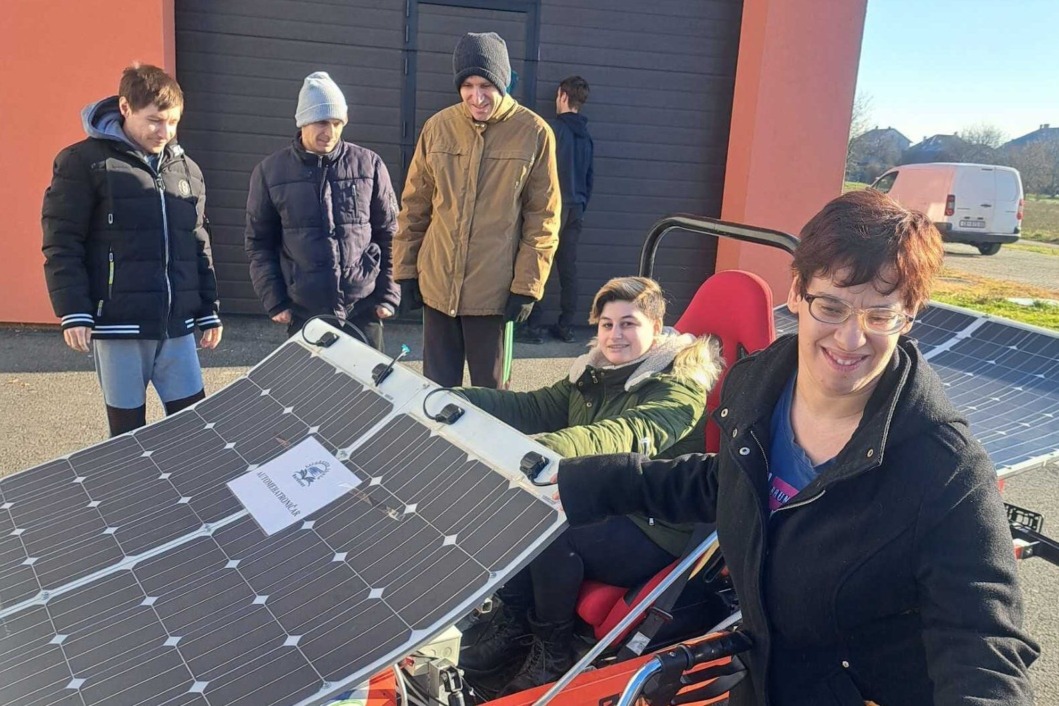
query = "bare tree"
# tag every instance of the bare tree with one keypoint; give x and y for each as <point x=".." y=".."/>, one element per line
<point x="860" y="119"/>
<point x="984" y="134"/>
<point x="1038" y="163"/>
<point x="982" y="140"/>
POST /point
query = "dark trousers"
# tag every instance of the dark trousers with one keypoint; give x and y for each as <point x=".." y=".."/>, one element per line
<point x="362" y="316"/>
<point x="614" y="551"/>
<point x="566" y="268"/>
<point x="449" y="340"/>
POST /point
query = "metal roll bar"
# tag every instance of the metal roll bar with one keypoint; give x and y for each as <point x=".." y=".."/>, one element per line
<point x="713" y="227"/>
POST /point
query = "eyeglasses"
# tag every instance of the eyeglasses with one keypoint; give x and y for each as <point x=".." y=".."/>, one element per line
<point x="877" y="319"/>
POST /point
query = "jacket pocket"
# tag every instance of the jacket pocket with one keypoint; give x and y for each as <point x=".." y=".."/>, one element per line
<point x="370" y="263"/>
<point x="508" y="169"/>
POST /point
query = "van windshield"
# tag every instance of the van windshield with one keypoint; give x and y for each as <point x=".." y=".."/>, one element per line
<point x="885" y="182"/>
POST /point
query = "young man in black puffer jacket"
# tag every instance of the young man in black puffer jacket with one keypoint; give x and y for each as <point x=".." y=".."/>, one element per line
<point x="127" y="255"/>
<point x="320" y="219"/>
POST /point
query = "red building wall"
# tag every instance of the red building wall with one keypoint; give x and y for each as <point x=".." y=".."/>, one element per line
<point x="794" y="87"/>
<point x="58" y="56"/>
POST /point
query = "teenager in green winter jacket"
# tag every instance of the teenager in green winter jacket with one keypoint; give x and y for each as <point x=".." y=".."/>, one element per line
<point x="640" y="388"/>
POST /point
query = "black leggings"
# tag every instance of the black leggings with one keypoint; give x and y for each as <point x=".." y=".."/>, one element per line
<point x="614" y="551"/>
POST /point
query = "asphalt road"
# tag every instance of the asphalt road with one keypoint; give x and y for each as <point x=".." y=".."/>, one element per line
<point x="50" y="405"/>
<point x="1009" y="264"/>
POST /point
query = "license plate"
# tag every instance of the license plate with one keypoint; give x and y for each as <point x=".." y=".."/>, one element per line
<point x="972" y="224"/>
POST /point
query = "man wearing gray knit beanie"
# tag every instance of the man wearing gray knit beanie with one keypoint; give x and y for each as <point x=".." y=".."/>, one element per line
<point x="479" y="220"/>
<point x="318" y="190"/>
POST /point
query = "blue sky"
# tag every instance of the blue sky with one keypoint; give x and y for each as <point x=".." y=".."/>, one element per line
<point x="938" y="66"/>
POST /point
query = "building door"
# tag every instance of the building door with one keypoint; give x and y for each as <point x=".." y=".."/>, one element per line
<point x="434" y="27"/>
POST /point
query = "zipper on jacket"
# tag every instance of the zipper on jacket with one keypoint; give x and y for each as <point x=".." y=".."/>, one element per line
<point x="110" y="276"/>
<point x="763" y="523"/>
<point x="165" y="243"/>
<point x="99" y="309"/>
<point x="800" y="503"/>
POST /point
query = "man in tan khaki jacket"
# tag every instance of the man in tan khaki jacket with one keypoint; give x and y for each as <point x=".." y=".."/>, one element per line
<point x="479" y="221"/>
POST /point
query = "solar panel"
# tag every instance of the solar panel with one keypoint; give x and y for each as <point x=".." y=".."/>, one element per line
<point x="1001" y="375"/>
<point x="132" y="573"/>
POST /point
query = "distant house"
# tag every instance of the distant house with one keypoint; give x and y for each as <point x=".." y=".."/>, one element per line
<point x="1045" y="133"/>
<point x="873" y="152"/>
<point x="938" y="148"/>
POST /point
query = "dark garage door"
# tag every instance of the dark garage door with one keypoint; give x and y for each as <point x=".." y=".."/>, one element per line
<point x="662" y="76"/>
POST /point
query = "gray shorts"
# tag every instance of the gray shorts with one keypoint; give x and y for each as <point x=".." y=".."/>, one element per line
<point x="125" y="368"/>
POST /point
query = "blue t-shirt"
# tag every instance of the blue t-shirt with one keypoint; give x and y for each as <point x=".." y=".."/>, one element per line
<point x="790" y="469"/>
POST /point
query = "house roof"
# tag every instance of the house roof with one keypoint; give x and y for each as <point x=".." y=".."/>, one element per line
<point x="1045" y="133"/>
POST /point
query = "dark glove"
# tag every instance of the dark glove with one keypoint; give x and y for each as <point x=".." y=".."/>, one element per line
<point x="411" y="299"/>
<point x="518" y="308"/>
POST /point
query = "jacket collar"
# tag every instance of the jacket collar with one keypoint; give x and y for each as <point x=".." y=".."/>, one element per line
<point x="908" y="399"/>
<point x="660" y="357"/>
<point x="311" y="158"/>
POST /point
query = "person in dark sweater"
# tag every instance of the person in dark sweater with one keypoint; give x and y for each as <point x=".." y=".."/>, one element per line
<point x="320" y="219"/>
<point x="859" y="517"/>
<point x="127" y="255"/>
<point x="573" y="152"/>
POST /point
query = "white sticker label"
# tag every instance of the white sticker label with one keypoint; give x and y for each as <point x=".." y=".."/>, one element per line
<point x="293" y="485"/>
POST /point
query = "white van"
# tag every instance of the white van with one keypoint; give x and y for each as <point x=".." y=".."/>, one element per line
<point x="977" y="204"/>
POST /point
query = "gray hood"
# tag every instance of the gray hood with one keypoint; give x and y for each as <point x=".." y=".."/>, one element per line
<point x="102" y="120"/>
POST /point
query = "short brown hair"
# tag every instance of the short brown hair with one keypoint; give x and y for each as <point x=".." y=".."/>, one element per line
<point x="643" y="293"/>
<point x="576" y="90"/>
<point x="143" y="84"/>
<point x="874" y="238"/>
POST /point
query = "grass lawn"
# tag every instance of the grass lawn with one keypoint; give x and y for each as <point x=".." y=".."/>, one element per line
<point x="1040" y="220"/>
<point x="990" y="296"/>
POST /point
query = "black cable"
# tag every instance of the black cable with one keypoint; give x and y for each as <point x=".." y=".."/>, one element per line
<point x="337" y="323"/>
<point x="448" y="414"/>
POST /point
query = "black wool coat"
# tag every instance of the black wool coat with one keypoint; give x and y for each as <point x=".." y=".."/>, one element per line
<point x="889" y="578"/>
<point x="126" y="248"/>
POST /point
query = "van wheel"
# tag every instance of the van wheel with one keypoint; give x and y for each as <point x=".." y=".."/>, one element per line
<point x="989" y="249"/>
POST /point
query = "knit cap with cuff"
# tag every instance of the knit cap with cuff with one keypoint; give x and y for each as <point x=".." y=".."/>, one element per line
<point x="320" y="99"/>
<point x="482" y="54"/>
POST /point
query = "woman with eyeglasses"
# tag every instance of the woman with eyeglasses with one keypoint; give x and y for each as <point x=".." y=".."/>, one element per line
<point x="859" y="518"/>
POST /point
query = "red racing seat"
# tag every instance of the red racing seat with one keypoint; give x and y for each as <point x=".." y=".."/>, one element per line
<point x="735" y="307"/>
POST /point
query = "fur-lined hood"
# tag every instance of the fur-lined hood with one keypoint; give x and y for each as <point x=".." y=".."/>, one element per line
<point x="695" y="359"/>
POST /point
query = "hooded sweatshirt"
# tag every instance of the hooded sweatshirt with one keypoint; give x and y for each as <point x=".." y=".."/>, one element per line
<point x="573" y="154"/>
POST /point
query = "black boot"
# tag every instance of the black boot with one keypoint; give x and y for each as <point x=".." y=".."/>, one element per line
<point x="121" y="420"/>
<point x="502" y="643"/>
<point x="184" y="402"/>
<point x="550" y="656"/>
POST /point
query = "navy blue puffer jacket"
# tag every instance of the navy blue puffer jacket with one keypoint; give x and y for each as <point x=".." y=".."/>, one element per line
<point x="319" y="230"/>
